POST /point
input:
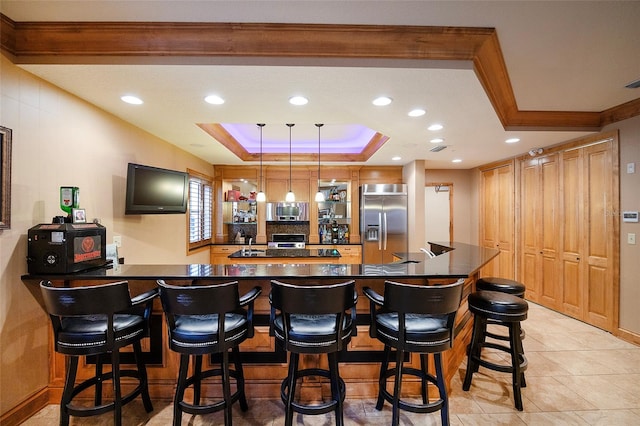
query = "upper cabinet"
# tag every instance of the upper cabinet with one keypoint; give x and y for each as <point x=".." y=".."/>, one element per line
<point x="337" y="204"/>
<point x="277" y="188"/>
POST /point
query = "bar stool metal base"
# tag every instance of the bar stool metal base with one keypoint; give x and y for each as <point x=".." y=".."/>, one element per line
<point x="288" y="389"/>
<point x="195" y="380"/>
<point x="440" y="404"/>
<point x="67" y="408"/>
<point x="503" y="309"/>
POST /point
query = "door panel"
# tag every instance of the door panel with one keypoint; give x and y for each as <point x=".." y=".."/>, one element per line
<point x="572" y="292"/>
<point x="599" y="287"/>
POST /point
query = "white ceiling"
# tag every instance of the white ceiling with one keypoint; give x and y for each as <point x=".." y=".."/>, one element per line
<point x="561" y="56"/>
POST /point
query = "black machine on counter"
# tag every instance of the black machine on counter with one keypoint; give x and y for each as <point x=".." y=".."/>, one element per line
<point x="62" y="248"/>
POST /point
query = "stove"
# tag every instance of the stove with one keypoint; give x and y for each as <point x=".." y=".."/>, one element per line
<point x="287" y="241"/>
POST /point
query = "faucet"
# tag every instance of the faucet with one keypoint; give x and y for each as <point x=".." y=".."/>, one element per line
<point x="250" y="239"/>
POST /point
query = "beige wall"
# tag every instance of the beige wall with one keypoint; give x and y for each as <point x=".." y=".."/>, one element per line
<point x="465" y="205"/>
<point x="629" y="200"/>
<point x="413" y="176"/>
<point x="60" y="140"/>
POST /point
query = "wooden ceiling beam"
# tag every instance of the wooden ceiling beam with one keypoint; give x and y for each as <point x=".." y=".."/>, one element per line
<point x="168" y="42"/>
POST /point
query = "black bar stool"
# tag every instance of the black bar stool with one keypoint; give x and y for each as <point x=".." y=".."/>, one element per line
<point x="503" y="285"/>
<point x="313" y="319"/>
<point x="502" y="309"/>
<point x="419" y="319"/>
<point x="207" y="319"/>
<point x="99" y="320"/>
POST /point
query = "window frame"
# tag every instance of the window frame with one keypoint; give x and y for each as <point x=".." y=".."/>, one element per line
<point x="204" y="182"/>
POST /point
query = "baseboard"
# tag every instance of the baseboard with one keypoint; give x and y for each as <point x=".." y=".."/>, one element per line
<point x="26" y="408"/>
<point x="628" y="336"/>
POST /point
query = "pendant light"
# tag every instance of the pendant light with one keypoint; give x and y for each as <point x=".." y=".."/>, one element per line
<point x="291" y="197"/>
<point x="261" y="197"/>
<point x="319" y="194"/>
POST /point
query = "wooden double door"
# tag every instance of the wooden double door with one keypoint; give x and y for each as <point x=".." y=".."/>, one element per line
<point x="569" y="232"/>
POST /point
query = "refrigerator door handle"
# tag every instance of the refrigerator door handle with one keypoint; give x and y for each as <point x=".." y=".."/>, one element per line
<point x="384" y="234"/>
<point x="382" y="230"/>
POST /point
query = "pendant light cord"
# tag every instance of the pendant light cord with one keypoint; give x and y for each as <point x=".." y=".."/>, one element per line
<point x="290" y="126"/>
<point x="261" y="125"/>
<point x="319" y="125"/>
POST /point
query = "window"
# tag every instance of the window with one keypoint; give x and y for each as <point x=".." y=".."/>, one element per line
<point x="200" y="210"/>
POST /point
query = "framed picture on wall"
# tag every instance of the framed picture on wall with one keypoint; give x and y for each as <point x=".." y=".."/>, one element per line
<point x="79" y="216"/>
<point x="5" y="173"/>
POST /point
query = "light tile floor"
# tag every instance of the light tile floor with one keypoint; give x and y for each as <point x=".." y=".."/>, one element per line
<point x="577" y="375"/>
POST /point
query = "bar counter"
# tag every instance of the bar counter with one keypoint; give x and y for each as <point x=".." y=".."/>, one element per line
<point x="265" y="362"/>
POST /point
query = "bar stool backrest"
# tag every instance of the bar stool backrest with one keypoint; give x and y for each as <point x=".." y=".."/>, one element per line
<point x="418" y="299"/>
<point x="199" y="299"/>
<point x="320" y="300"/>
<point x="101" y="300"/>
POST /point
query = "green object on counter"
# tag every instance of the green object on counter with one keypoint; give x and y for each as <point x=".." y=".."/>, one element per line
<point x="69" y="198"/>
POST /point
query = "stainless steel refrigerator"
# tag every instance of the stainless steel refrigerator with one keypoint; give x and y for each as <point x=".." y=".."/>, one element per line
<point x="383" y="221"/>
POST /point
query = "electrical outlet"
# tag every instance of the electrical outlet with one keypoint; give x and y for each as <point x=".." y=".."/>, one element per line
<point x="117" y="240"/>
<point x="631" y="168"/>
<point x="631" y="238"/>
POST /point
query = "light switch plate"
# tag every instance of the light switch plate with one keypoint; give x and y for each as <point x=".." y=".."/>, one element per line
<point x="631" y="167"/>
<point x="631" y="238"/>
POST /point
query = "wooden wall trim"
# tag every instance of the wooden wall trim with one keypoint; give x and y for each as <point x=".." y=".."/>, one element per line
<point x="27" y="408"/>
<point x="173" y="42"/>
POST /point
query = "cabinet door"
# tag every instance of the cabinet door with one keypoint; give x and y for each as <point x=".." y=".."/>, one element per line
<point x="530" y="223"/>
<point x="551" y="284"/>
<point x="572" y="233"/>
<point x="497" y="186"/>
<point x="220" y="254"/>
<point x="598" y="229"/>
<point x="277" y="189"/>
<point x="588" y="235"/>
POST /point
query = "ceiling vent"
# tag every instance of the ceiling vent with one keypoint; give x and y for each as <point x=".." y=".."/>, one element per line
<point x="438" y="148"/>
<point x="633" y="84"/>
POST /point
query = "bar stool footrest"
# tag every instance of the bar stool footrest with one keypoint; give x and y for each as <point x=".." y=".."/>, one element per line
<point x="218" y="405"/>
<point x="429" y="407"/>
<point x="78" y="411"/>
<point x="323" y="408"/>
<point x="500" y="367"/>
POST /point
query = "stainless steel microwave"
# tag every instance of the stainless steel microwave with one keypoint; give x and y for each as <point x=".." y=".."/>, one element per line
<point x="287" y="212"/>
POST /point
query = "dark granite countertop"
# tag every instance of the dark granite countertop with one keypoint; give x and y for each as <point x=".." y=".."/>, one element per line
<point x="279" y="253"/>
<point x="460" y="262"/>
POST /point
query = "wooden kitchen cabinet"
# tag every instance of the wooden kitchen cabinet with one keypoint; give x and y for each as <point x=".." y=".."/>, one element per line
<point x="568" y="230"/>
<point x="497" y="218"/>
<point x="276" y="189"/>
<point x="540" y="227"/>
<point x="589" y="226"/>
<point x="349" y="254"/>
<point x="220" y="253"/>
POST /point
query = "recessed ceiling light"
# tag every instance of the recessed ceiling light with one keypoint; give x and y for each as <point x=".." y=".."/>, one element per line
<point x="133" y="100"/>
<point x="396" y="158"/>
<point x="437" y="140"/>
<point x="298" y="100"/>
<point x="456" y="160"/>
<point x="382" y="101"/>
<point x="214" y="100"/>
<point x="435" y="127"/>
<point x="418" y="112"/>
<point x="512" y="140"/>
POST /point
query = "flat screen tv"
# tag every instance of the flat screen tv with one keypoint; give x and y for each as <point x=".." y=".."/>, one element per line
<point x="152" y="190"/>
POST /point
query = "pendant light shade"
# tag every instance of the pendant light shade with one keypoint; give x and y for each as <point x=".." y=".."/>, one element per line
<point x="319" y="194"/>
<point x="261" y="197"/>
<point x="290" y="197"/>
